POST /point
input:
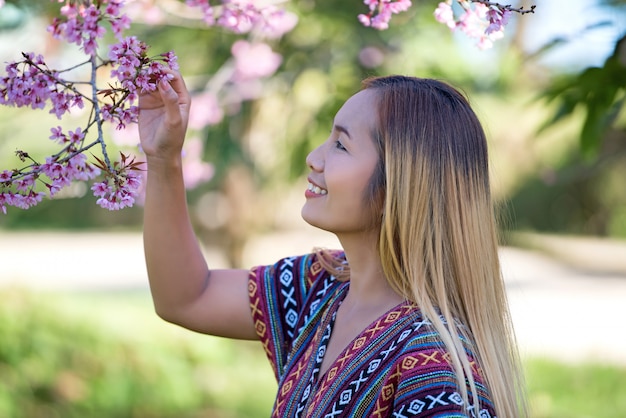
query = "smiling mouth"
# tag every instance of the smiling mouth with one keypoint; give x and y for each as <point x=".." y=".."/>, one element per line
<point x="316" y="189"/>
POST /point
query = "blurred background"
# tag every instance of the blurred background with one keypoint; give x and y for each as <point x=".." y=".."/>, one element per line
<point x="78" y="334"/>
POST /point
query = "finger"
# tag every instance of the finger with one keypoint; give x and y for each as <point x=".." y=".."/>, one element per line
<point x="170" y="101"/>
<point x="178" y="84"/>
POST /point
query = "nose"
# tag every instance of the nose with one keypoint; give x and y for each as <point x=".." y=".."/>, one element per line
<point x="315" y="159"/>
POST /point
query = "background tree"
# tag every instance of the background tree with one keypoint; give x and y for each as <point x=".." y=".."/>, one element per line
<point x="582" y="192"/>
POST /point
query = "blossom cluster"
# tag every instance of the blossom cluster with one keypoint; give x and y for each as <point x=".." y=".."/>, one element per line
<point x="121" y="184"/>
<point x="243" y="16"/>
<point x="82" y="23"/>
<point x="31" y="83"/>
<point x="483" y="21"/>
<point x="18" y="187"/>
<point x="135" y="72"/>
<point x="479" y="19"/>
<point x="381" y="11"/>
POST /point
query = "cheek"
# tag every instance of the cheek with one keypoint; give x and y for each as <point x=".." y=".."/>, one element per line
<point x="352" y="190"/>
<point x="344" y="179"/>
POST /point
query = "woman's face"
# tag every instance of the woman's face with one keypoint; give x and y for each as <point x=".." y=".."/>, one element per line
<point x="341" y="170"/>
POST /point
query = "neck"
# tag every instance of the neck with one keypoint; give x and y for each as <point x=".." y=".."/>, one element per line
<point x="368" y="285"/>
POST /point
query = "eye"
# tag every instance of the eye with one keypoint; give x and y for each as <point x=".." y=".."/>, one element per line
<point x="339" y="145"/>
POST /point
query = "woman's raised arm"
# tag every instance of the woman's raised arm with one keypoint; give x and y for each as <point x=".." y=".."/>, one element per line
<point x="184" y="290"/>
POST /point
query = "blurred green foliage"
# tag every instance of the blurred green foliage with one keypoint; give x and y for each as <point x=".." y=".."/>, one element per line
<point x="599" y="91"/>
<point x="582" y="192"/>
<point x="575" y="390"/>
<point x="87" y="356"/>
<point x="576" y="195"/>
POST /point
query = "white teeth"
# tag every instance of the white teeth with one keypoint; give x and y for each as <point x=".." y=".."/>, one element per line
<point x="317" y="190"/>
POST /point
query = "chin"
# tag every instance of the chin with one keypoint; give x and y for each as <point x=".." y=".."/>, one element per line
<point x="307" y="218"/>
<point x="312" y="220"/>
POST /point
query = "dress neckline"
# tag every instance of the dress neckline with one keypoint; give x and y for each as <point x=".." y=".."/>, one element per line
<point x="327" y="326"/>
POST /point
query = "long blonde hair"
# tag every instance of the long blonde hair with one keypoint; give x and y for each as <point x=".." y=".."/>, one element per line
<point x="438" y="238"/>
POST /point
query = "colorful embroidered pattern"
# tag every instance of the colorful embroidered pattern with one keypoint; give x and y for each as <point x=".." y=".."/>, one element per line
<point x="396" y="367"/>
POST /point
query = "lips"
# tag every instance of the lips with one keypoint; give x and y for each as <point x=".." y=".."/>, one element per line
<point x="315" y="189"/>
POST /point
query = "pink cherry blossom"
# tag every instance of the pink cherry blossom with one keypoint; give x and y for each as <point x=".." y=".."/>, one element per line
<point x="76" y="137"/>
<point x="381" y="11"/>
<point x="25" y="183"/>
<point x="58" y="135"/>
<point x="276" y="23"/>
<point x="243" y="16"/>
<point x="83" y="25"/>
<point x="371" y="57"/>
<point x="365" y="20"/>
<point x="444" y="15"/>
<point x="101" y="189"/>
<point x="145" y="11"/>
<point x="52" y="169"/>
<point x="498" y="19"/>
<point x="254" y="60"/>
<point x="78" y="168"/>
<point x="195" y="171"/>
<point x="205" y="110"/>
<point x="480" y="20"/>
<point x="121" y="185"/>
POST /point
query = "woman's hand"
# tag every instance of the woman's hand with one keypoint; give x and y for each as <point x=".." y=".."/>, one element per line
<point x="163" y="118"/>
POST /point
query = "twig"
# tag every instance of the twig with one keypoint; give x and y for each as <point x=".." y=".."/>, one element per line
<point x="520" y="10"/>
<point x="97" y="116"/>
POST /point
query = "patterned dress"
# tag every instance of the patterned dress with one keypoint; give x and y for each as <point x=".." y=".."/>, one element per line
<point x="396" y="367"/>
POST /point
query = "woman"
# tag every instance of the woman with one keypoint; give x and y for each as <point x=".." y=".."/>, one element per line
<point x="411" y="318"/>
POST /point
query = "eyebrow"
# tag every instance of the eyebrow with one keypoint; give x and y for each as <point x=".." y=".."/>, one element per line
<point x="343" y="129"/>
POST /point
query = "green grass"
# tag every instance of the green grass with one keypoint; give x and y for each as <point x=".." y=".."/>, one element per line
<point x="108" y="355"/>
<point x="560" y="390"/>
<point x="83" y="355"/>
